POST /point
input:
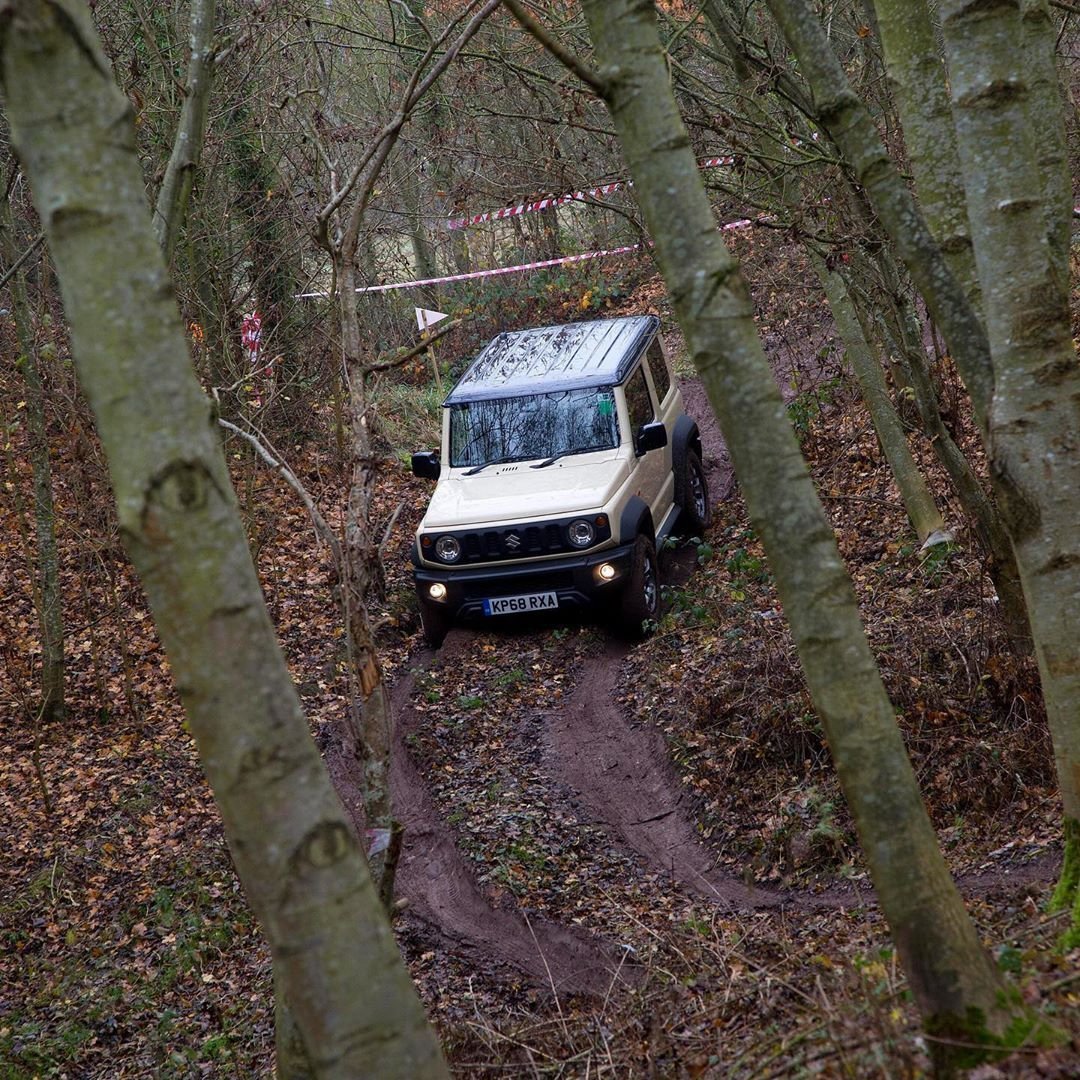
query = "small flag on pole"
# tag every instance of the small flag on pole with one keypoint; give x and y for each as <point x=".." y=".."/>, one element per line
<point x="426" y="319"/>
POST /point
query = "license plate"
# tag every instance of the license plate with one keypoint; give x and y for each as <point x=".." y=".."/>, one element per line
<point x="512" y="605"/>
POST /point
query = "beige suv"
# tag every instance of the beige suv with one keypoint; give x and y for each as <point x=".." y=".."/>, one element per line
<point x="566" y="460"/>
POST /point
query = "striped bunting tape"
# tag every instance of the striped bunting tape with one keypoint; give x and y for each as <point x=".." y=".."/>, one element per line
<point x="473" y="275"/>
<point x="561" y="200"/>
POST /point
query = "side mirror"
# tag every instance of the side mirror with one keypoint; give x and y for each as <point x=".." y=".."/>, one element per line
<point x="426" y="465"/>
<point x="651" y="437"/>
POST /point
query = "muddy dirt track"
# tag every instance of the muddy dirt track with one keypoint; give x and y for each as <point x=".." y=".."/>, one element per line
<point x="614" y="775"/>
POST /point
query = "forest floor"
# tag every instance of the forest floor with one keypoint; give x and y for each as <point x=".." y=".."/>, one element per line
<point x="619" y="861"/>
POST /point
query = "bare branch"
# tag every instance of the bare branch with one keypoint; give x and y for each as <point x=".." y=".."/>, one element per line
<point x="322" y="527"/>
<point x="569" y="60"/>
<point x="419" y="347"/>
<point x="13" y="269"/>
<point x="370" y="164"/>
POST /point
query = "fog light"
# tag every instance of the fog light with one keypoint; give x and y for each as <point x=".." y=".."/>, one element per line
<point x="437" y="591"/>
<point x="606" y="571"/>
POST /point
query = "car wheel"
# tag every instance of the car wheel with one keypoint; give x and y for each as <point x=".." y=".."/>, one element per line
<point x="692" y="495"/>
<point x="641" y="593"/>
<point x="435" y="623"/>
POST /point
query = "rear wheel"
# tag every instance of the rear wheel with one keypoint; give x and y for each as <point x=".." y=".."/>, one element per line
<point x="692" y="495"/>
<point x="640" y="603"/>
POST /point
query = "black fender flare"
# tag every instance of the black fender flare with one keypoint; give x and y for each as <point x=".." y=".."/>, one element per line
<point x="685" y="437"/>
<point x="635" y="518"/>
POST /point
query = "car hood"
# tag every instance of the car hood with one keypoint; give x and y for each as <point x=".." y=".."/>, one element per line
<point x="516" y="492"/>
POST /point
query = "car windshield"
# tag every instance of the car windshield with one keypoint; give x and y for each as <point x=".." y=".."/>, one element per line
<point x="532" y="426"/>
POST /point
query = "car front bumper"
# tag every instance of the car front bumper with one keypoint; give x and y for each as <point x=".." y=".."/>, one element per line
<point x="575" y="579"/>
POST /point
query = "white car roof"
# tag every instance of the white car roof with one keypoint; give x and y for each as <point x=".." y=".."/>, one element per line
<point x="552" y="358"/>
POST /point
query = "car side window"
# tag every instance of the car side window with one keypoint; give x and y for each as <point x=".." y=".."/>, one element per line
<point x="638" y="402"/>
<point x="661" y="377"/>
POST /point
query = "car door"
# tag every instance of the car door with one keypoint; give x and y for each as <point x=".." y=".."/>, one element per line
<point x="652" y="471"/>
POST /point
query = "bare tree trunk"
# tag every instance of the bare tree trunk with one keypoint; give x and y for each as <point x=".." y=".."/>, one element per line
<point x="372" y="724"/>
<point x="910" y="356"/>
<point x="1046" y="117"/>
<point x="916" y="73"/>
<point x="956" y="985"/>
<point x="48" y="597"/>
<point x="852" y="129"/>
<point x="1033" y="449"/>
<point x="175" y="191"/>
<point x="372" y="728"/>
<point x="302" y="868"/>
<point x="922" y="512"/>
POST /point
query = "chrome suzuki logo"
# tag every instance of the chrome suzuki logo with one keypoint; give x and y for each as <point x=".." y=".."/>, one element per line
<point x="513" y="541"/>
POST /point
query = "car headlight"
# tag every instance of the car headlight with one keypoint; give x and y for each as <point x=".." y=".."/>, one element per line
<point x="581" y="533"/>
<point x="448" y="549"/>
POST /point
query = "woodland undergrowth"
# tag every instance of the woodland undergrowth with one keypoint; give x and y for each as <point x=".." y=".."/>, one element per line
<point x="126" y="948"/>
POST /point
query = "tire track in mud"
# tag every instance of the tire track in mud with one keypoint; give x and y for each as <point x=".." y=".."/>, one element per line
<point x="442" y="890"/>
<point x="624" y="777"/>
<point x="621" y="777"/>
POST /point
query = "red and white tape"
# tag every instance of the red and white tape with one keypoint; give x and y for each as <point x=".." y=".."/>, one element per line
<point x="562" y="200"/>
<point x="474" y="274"/>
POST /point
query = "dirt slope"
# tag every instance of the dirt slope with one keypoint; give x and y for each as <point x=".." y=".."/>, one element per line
<point x="602" y="769"/>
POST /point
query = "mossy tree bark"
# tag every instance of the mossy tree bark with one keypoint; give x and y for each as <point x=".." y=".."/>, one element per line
<point x="176" y="186"/>
<point x="1033" y="449"/>
<point x="852" y="129"/>
<point x="1046" y="117"/>
<point x="956" y="985"/>
<point x="299" y="860"/>
<point x="916" y="70"/>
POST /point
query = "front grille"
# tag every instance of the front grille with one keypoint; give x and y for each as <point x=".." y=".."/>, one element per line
<point x="507" y="542"/>
<point x="516" y="542"/>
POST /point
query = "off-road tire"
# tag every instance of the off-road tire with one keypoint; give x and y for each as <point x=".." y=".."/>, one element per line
<point x="640" y="602"/>
<point x="692" y="495"/>
<point x="435" y="623"/>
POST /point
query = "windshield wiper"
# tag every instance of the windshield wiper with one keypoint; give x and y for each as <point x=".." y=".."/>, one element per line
<point x="494" y="461"/>
<point x="548" y="461"/>
<point x="555" y="457"/>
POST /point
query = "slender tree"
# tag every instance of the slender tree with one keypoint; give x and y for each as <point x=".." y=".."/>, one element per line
<point x="851" y="128"/>
<point x="338" y="231"/>
<point x="48" y="595"/>
<point x="299" y="860"/>
<point x="921" y="509"/>
<point x="1033" y="449"/>
<point x="956" y="985"/>
<point x="175" y="191"/>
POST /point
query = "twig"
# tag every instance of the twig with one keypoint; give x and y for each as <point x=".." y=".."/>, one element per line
<point x="419" y="347"/>
<point x="390" y="526"/>
<point x="569" y="60"/>
<point x="13" y="269"/>
<point x="551" y="980"/>
<point x="1057" y="984"/>
<point x="321" y="525"/>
